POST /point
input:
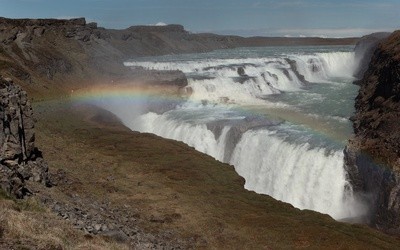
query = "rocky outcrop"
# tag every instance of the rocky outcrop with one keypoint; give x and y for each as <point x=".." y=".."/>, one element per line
<point x="373" y="155"/>
<point x="19" y="159"/>
<point x="364" y="50"/>
<point x="293" y="66"/>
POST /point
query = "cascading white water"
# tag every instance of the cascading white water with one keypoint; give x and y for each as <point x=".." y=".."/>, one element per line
<point x="320" y="67"/>
<point x="334" y="64"/>
<point x="195" y="135"/>
<point x="220" y="82"/>
<point x="339" y="64"/>
<point x="307" y="177"/>
<point x="307" y="174"/>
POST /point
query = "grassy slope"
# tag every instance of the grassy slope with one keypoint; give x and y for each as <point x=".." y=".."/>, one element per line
<point x="28" y="225"/>
<point x="175" y="189"/>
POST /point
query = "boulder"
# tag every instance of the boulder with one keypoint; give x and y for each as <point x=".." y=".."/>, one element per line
<point x="241" y="71"/>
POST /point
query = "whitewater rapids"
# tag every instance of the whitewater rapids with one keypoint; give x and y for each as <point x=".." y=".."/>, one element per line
<point x="289" y="161"/>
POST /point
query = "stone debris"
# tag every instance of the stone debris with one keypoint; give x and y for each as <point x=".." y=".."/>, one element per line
<point x="119" y="223"/>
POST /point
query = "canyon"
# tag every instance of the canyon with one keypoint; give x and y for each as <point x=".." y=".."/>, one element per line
<point x="52" y="59"/>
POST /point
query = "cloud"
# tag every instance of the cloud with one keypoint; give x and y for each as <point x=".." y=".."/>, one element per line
<point x="157" y="24"/>
<point x="337" y="32"/>
<point x="275" y="4"/>
<point x="160" y="24"/>
<point x="295" y="32"/>
<point x="67" y="17"/>
<point x="367" y="5"/>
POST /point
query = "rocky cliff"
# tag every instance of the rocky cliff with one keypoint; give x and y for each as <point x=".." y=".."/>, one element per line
<point x="19" y="159"/>
<point x="373" y="155"/>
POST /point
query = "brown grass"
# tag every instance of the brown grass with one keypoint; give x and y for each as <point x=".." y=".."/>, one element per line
<point x="5" y="64"/>
<point x="28" y="225"/>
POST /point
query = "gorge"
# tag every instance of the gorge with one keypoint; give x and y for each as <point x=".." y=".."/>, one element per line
<point x="278" y="114"/>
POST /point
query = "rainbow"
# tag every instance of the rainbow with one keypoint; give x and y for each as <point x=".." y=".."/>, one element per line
<point x="140" y="95"/>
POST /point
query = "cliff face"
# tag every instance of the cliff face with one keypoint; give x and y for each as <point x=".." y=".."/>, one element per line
<point x="377" y="104"/>
<point x="19" y="159"/>
<point x="373" y="155"/>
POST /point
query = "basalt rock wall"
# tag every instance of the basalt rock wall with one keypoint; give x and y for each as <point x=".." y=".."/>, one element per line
<point x="19" y="159"/>
<point x="373" y="155"/>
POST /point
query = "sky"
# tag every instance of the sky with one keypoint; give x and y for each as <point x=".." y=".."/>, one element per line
<point x="325" y="18"/>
